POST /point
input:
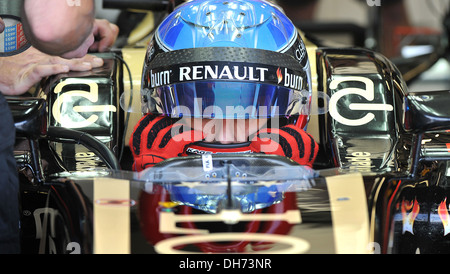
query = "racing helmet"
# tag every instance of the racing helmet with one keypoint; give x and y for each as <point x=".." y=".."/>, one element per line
<point x="221" y="59"/>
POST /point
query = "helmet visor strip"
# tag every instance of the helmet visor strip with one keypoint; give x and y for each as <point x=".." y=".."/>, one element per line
<point x="226" y="83"/>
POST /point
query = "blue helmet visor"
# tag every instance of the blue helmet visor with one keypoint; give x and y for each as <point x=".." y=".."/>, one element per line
<point x="228" y="100"/>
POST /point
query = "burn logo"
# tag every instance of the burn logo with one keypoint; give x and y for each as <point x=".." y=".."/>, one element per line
<point x="161" y="78"/>
<point x="293" y="81"/>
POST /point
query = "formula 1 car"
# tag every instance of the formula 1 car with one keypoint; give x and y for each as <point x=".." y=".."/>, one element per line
<point x="379" y="184"/>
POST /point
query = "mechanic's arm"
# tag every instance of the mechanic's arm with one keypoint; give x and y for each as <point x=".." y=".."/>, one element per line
<point x="21" y="71"/>
<point x="58" y="27"/>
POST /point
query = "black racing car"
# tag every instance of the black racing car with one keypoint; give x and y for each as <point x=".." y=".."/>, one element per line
<point x="379" y="184"/>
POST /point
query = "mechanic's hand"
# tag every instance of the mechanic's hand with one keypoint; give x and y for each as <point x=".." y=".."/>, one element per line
<point x="20" y="72"/>
<point x="289" y="141"/>
<point x="156" y="138"/>
<point x="101" y="39"/>
<point x="2" y="25"/>
<point x="105" y="34"/>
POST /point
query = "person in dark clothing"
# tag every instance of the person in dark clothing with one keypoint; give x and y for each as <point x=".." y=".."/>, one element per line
<point x="9" y="211"/>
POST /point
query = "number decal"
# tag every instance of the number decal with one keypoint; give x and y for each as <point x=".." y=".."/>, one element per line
<point x="74" y="247"/>
<point x="368" y="94"/>
<point x="66" y="97"/>
<point x="168" y="221"/>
